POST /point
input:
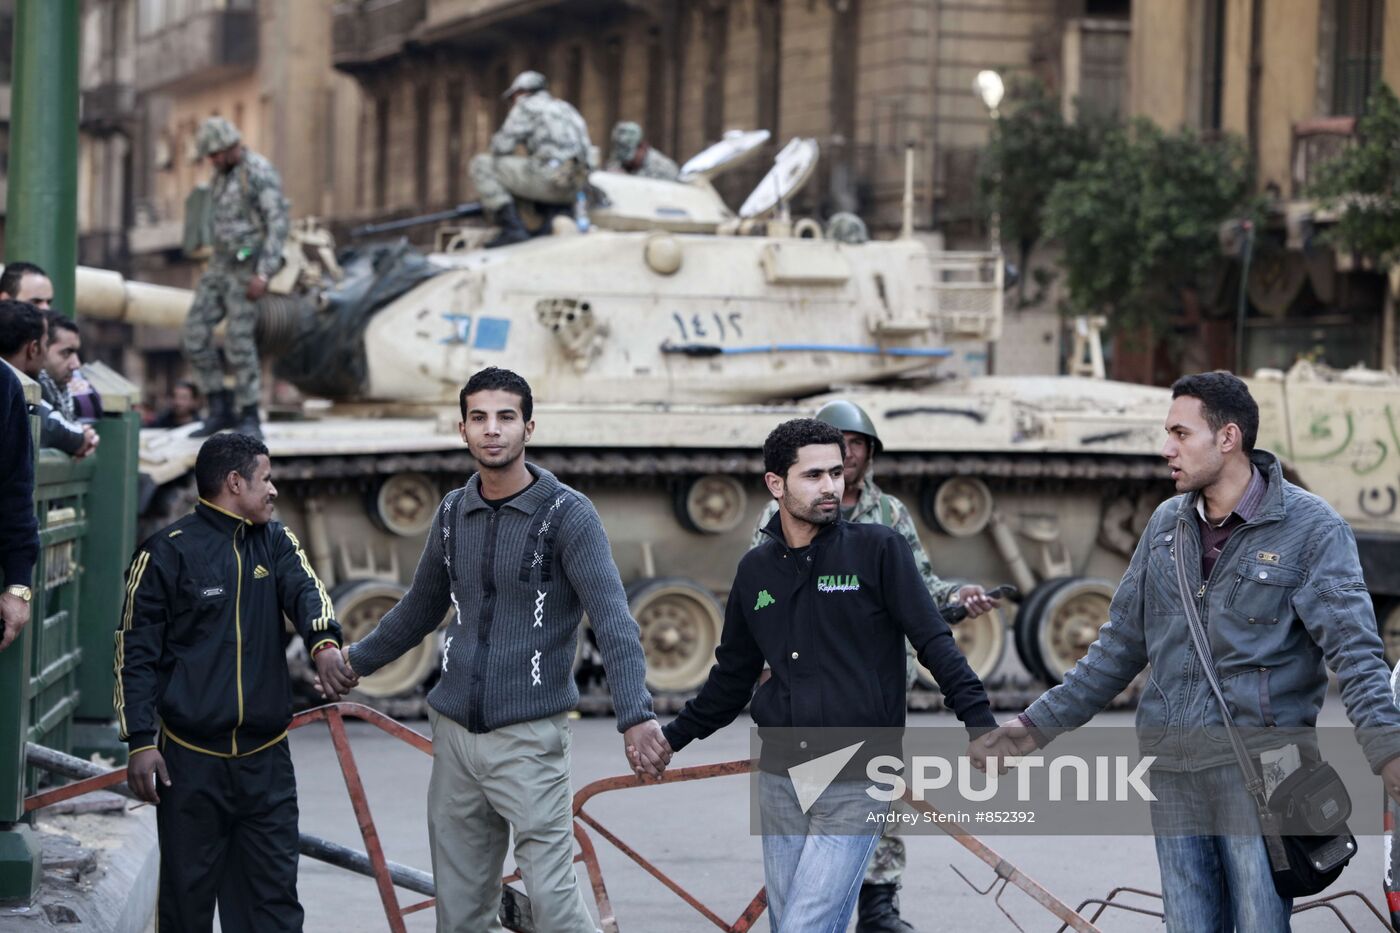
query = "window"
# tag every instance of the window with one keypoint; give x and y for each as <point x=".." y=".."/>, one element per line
<point x="381" y="151"/>
<point x="612" y="81"/>
<point x="1357" y="60"/>
<point x="422" y="138"/>
<point x="770" y="60"/>
<point x="1212" y="63"/>
<point x="456" y="97"/>
<point x="716" y="51"/>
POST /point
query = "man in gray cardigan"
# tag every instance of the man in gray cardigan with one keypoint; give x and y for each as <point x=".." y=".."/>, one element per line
<point x="518" y="557"/>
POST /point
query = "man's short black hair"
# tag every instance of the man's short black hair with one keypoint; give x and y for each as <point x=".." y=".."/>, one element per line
<point x="14" y="273"/>
<point x="60" y="321"/>
<point x="780" y="449"/>
<point x="493" y="377"/>
<point x="223" y="454"/>
<point x="187" y="384"/>
<point x="20" y="322"/>
<point x="1225" y="399"/>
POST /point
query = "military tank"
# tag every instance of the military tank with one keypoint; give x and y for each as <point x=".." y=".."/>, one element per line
<point x="662" y="346"/>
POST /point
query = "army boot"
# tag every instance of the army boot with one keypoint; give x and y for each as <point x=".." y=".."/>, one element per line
<point x="878" y="910"/>
<point x="248" y="422"/>
<point x="220" y="417"/>
<point x="512" y="230"/>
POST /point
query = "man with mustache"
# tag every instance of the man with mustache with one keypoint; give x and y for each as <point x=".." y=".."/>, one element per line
<point x="827" y="604"/>
<point x="1274" y="575"/>
<point x="203" y="696"/>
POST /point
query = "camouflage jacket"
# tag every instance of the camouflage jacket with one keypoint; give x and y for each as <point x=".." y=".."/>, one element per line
<point x="654" y="165"/>
<point x="879" y="507"/>
<point x="547" y="127"/>
<point x="249" y="214"/>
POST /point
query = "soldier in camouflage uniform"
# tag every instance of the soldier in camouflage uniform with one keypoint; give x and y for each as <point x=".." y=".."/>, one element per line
<point x="631" y="153"/>
<point x="554" y="168"/>
<point x="248" y="226"/>
<point x="863" y="501"/>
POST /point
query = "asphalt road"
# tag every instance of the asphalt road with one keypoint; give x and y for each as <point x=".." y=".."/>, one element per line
<point x="699" y="834"/>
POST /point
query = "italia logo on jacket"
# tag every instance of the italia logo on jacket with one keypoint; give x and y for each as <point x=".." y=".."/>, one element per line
<point x="838" y="583"/>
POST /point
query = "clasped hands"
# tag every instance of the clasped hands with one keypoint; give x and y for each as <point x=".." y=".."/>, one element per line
<point x="1008" y="741"/>
<point x="334" y="675"/>
<point x="648" y="752"/>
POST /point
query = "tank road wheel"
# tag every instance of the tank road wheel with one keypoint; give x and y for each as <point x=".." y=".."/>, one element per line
<point x="711" y="505"/>
<point x="681" y="623"/>
<point x="981" y="640"/>
<point x="1068" y="623"/>
<point x="403" y="504"/>
<point x="1025" y="628"/>
<point x="1388" y="622"/>
<point x="359" y="605"/>
<point x="959" y="507"/>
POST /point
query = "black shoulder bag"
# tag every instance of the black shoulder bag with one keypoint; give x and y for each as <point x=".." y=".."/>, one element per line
<point x="1304" y="820"/>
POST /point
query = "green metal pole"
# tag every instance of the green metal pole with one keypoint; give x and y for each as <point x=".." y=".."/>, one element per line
<point x="40" y="226"/>
<point x="42" y="203"/>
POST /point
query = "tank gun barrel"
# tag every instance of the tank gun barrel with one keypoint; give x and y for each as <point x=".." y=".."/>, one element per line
<point x="468" y="209"/>
<point x="106" y="295"/>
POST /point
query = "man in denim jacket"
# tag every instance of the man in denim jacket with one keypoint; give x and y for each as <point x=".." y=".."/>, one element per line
<point x="1278" y="586"/>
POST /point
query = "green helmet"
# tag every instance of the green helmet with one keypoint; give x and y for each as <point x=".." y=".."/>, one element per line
<point x="848" y="416"/>
<point x="215" y="135"/>
<point x="626" y="137"/>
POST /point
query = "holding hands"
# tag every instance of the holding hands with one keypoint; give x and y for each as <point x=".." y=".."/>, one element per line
<point x="648" y="752"/>
<point x="1009" y="740"/>
<point x="334" y="676"/>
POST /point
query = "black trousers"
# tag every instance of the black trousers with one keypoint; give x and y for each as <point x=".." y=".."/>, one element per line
<point x="228" y="833"/>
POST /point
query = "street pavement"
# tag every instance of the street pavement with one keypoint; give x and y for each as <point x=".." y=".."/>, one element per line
<point x="698" y="832"/>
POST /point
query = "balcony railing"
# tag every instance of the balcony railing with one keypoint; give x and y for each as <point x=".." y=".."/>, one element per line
<point x="201" y="49"/>
<point x="107" y="107"/>
<point x="1316" y="142"/>
<point x="366" y="31"/>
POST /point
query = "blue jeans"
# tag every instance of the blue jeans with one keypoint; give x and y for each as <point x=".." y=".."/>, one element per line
<point x="813" y="863"/>
<point x="1215" y="869"/>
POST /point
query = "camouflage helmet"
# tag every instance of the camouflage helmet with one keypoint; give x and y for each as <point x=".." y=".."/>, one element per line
<point x="626" y="137"/>
<point x="215" y="135"/>
<point x="846" y="227"/>
<point x="528" y="82"/>
<point x="848" y="416"/>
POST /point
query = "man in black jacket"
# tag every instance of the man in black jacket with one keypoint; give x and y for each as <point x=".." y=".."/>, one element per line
<point x="19" y="535"/>
<point x="827" y="604"/>
<point x="203" y="696"/>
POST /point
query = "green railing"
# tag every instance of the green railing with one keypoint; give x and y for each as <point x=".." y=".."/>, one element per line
<point x="56" y="679"/>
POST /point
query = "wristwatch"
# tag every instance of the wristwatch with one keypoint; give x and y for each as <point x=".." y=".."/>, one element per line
<point x="23" y="592"/>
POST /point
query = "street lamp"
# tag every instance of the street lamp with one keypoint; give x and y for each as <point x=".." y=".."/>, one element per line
<point x="989" y="87"/>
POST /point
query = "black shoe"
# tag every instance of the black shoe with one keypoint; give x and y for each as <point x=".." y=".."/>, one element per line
<point x="878" y="910"/>
<point x="220" y="417"/>
<point x="512" y="230"/>
<point x="248" y="422"/>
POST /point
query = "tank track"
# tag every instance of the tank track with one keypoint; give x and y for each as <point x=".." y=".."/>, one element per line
<point x="642" y="463"/>
<point x="1008" y="693"/>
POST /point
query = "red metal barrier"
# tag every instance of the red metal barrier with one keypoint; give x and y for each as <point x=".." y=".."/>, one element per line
<point x="334" y="716"/>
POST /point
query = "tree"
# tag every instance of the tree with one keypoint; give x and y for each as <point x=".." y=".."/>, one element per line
<point x="1138" y="222"/>
<point x="1364" y="182"/>
<point x="1031" y="149"/>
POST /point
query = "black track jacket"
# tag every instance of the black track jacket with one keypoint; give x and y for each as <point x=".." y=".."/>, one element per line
<point x="831" y="623"/>
<point x="199" y="652"/>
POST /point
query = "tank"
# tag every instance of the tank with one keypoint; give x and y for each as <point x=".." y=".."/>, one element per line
<point x="1338" y="430"/>
<point x="662" y="346"/>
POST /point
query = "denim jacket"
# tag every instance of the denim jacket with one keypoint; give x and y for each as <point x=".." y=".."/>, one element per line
<point x="1285" y="596"/>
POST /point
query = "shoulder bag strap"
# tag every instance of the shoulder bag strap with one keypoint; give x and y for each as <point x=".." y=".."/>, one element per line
<point x="1253" y="781"/>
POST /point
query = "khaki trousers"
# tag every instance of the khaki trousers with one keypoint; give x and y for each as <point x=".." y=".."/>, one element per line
<point x="484" y="787"/>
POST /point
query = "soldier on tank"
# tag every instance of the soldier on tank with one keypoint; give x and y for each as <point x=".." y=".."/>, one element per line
<point x="554" y="168"/>
<point x="631" y="153"/>
<point x="864" y="501"/>
<point x="248" y="227"/>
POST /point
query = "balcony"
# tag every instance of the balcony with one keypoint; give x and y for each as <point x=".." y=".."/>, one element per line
<point x="364" y="32"/>
<point x="200" y="50"/>
<point x="1316" y="142"/>
<point x="107" y="108"/>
